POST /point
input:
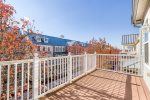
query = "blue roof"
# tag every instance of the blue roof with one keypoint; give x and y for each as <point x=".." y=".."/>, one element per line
<point x="54" y="41"/>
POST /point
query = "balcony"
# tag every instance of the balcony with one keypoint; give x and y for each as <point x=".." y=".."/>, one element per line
<point x="83" y="77"/>
<point x="103" y="85"/>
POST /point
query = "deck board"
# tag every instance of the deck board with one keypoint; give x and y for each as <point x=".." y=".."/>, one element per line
<point x="146" y="91"/>
<point x="103" y="85"/>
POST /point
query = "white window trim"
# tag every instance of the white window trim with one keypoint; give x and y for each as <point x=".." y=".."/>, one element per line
<point x="148" y="49"/>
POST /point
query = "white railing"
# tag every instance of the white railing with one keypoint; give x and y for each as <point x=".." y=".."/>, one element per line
<point x="31" y="79"/>
<point x="16" y="80"/>
<point x="129" y="64"/>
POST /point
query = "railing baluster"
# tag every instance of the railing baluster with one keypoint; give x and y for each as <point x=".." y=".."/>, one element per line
<point x="57" y="63"/>
<point x="130" y="67"/>
<point x="136" y="71"/>
<point x="115" y="62"/>
<point x="48" y="65"/>
<point x="86" y="63"/>
<point x="0" y="81"/>
<point x="58" y="68"/>
<point x="66" y="59"/>
<point x="120" y="63"/>
<point x="76" y="68"/>
<point x="22" y="81"/>
<point x="15" y="81"/>
<point x="8" y="77"/>
<point x="63" y="71"/>
<point x="121" y="59"/>
<point x="100" y="61"/>
<point x="44" y="75"/>
<point x="28" y="85"/>
<point x="107" y="60"/>
<point x="55" y="72"/>
<point x="117" y="67"/>
<point x="60" y="71"/>
<point x="40" y="62"/>
<point x="51" y="73"/>
<point x="79" y="66"/>
<point x="73" y="66"/>
<point x="126" y="64"/>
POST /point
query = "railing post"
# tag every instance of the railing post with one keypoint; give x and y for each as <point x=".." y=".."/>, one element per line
<point x="141" y="64"/>
<point x="85" y="63"/>
<point x="35" y="78"/>
<point x="95" y="64"/>
<point x="70" y="67"/>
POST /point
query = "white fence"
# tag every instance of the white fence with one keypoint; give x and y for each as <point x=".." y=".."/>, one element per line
<point x="129" y="64"/>
<point x="31" y="79"/>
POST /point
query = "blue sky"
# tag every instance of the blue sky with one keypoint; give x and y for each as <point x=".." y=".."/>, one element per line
<point x="79" y="19"/>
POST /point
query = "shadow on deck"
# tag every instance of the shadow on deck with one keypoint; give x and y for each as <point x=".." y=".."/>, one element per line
<point x="103" y="85"/>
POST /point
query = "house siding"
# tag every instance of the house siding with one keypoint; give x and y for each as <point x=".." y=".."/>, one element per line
<point x="145" y="29"/>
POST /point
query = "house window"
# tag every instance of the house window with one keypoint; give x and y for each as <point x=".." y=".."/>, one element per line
<point x="43" y="48"/>
<point x="46" y="40"/>
<point x="146" y="53"/>
<point x="56" y="49"/>
<point x="146" y="37"/>
<point x="146" y="48"/>
<point x="48" y="48"/>
<point x="60" y="49"/>
<point x="64" y="49"/>
<point x="38" y="48"/>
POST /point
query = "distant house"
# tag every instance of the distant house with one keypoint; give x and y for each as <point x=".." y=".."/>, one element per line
<point x="54" y="46"/>
<point x="129" y="43"/>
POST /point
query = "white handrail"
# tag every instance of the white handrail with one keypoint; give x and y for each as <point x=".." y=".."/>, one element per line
<point x="49" y="74"/>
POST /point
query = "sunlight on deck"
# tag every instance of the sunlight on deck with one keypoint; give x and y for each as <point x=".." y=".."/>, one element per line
<point x="103" y="85"/>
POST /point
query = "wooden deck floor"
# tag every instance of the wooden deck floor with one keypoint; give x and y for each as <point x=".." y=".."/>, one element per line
<point x="103" y="85"/>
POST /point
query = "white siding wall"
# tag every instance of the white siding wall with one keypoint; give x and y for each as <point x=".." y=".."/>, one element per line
<point x="46" y="48"/>
<point x="146" y="28"/>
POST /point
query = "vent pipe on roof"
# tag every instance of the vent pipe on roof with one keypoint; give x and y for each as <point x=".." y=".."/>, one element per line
<point x="62" y="36"/>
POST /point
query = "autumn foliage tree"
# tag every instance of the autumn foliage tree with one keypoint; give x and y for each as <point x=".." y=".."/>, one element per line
<point x="76" y="49"/>
<point x="13" y="41"/>
<point x="99" y="46"/>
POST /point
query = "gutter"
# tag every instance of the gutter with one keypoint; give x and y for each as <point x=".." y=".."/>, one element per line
<point x="138" y="23"/>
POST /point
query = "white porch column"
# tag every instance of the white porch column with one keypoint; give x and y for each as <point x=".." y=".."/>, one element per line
<point x="35" y="74"/>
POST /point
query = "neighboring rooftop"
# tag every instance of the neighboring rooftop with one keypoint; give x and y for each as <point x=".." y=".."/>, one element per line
<point x="50" y="40"/>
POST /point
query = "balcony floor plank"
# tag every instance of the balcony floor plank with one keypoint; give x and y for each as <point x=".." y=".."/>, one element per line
<point x="103" y="85"/>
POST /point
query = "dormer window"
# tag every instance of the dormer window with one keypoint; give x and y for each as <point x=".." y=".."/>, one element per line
<point x="46" y="40"/>
<point x="38" y="39"/>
